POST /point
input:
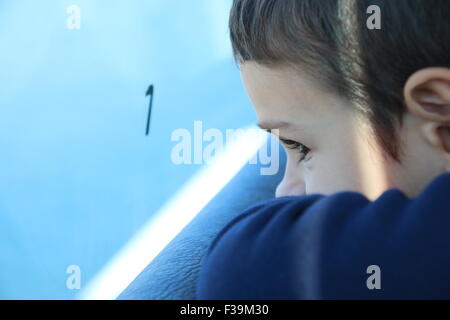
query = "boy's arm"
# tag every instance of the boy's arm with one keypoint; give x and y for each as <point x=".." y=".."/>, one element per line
<point x="337" y="247"/>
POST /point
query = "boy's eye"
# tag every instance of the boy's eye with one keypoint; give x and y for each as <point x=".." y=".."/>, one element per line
<point x="304" y="150"/>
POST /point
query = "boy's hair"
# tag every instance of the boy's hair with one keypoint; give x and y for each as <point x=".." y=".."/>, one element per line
<point x="330" y="41"/>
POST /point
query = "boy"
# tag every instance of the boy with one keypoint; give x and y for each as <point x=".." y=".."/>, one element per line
<point x="363" y="210"/>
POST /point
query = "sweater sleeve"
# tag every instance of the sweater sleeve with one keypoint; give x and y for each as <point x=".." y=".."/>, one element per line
<point x="341" y="246"/>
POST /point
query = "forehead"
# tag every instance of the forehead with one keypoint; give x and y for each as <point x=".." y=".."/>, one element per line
<point x="283" y="94"/>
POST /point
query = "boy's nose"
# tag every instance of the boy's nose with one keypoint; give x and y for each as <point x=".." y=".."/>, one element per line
<point x="290" y="187"/>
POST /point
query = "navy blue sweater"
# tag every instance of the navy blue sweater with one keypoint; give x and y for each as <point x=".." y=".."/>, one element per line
<point x="320" y="247"/>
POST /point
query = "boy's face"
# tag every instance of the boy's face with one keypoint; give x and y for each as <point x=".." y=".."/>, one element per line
<point x="340" y="151"/>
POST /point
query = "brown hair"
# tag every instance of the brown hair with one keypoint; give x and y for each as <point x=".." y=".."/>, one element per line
<point x="330" y="40"/>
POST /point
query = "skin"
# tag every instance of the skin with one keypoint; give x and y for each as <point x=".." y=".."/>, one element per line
<point x="344" y="154"/>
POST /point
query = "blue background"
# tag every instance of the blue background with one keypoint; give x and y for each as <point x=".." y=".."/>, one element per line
<point x="78" y="176"/>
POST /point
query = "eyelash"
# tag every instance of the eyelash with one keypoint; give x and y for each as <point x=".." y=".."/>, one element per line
<point x="294" y="145"/>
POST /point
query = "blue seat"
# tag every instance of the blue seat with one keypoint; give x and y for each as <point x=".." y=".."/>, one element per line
<point x="173" y="274"/>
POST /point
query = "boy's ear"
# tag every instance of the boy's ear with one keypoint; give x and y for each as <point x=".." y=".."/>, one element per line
<point x="427" y="95"/>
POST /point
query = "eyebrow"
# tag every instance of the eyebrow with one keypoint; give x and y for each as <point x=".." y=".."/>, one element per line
<point x="274" y="125"/>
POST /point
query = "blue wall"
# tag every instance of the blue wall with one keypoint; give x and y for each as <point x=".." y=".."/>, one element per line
<point x="78" y="176"/>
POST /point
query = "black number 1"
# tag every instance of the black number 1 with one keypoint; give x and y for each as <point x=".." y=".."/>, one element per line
<point x="149" y="93"/>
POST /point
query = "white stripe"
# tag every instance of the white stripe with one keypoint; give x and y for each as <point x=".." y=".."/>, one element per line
<point x="154" y="236"/>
